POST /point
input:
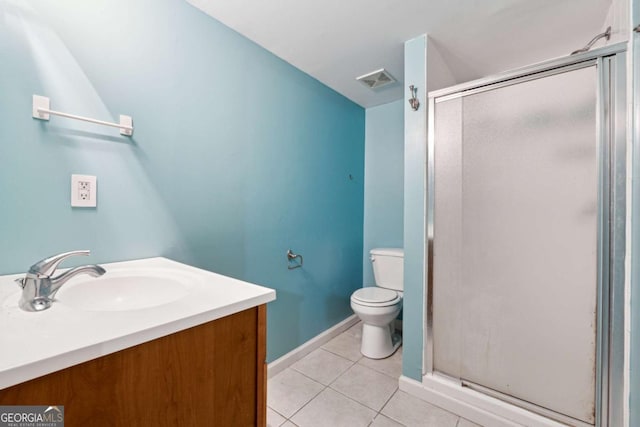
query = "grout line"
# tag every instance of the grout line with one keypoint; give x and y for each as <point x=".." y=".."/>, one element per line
<point x="314" y="396"/>
<point x="311" y="378"/>
<point x="336" y="354"/>
<point x="342" y="394"/>
<point x="325" y="350"/>
<point x="277" y="413"/>
<point x="389" y="416"/>
<point x="352" y="399"/>
<point x="363" y="404"/>
<point x="286" y="360"/>
<point x="333" y="352"/>
<point x="311" y="400"/>
<point x="325" y="387"/>
<point x="316" y="381"/>
<point x="396" y="378"/>
<point x="377" y="371"/>
<point x="306" y="376"/>
<point x="390" y="397"/>
<point x="382" y="373"/>
<point x="339" y="376"/>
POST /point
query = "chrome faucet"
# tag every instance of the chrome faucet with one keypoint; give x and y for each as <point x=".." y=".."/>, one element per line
<point x="39" y="288"/>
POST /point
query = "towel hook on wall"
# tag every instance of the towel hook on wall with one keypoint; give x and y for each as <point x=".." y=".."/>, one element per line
<point x="291" y="257"/>
<point x="415" y="104"/>
<point x="606" y="35"/>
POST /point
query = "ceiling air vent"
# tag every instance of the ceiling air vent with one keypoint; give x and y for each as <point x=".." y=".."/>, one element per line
<point x="376" y="79"/>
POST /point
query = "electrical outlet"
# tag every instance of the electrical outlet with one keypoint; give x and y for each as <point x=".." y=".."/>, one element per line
<point x="84" y="191"/>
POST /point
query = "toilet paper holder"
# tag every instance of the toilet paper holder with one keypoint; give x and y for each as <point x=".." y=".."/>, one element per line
<point x="292" y="257"/>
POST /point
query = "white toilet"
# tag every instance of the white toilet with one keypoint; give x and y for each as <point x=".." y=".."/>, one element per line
<point x="378" y="306"/>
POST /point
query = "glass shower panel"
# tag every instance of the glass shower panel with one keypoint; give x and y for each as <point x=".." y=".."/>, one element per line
<point x="447" y="242"/>
<point x="528" y="245"/>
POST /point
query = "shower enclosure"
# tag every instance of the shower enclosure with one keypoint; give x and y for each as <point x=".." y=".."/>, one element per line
<point x="526" y="222"/>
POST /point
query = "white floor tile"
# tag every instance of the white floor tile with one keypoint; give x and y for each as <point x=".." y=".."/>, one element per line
<point x="274" y="419"/>
<point x="366" y="386"/>
<point x="345" y="345"/>
<point x="358" y="387"/>
<point x="289" y="391"/>
<point x="412" y="411"/>
<point x="330" y="408"/>
<point x="467" y="423"/>
<point x="391" y="366"/>
<point x="322" y="366"/>
<point x="382" y="421"/>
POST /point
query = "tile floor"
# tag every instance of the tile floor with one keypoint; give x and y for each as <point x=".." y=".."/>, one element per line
<point x="336" y="386"/>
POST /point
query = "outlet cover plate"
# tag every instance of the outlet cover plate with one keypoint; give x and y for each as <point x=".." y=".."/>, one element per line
<point x="84" y="191"/>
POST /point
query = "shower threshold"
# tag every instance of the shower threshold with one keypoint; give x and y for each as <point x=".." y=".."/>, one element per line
<point x="483" y="408"/>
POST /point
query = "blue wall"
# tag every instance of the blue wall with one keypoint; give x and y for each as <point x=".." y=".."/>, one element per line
<point x="415" y="137"/>
<point x="383" y="181"/>
<point x="236" y="155"/>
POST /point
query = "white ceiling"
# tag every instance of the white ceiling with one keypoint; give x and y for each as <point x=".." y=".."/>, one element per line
<point x="337" y="40"/>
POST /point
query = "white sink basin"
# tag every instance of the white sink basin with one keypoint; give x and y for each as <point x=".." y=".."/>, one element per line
<point x="134" y="302"/>
<point x="123" y="290"/>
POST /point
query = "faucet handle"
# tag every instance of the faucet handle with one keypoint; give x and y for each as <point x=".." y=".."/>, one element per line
<point x="47" y="266"/>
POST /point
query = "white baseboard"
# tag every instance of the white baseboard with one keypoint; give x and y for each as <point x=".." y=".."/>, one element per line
<point x="318" y="341"/>
<point x="472" y="405"/>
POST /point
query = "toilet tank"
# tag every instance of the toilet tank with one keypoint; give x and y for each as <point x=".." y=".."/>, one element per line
<point x="388" y="267"/>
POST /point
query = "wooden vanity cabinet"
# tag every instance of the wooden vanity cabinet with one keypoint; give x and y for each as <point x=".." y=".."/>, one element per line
<point x="209" y="375"/>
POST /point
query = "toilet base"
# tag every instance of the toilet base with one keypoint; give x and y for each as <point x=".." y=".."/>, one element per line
<point x="379" y="342"/>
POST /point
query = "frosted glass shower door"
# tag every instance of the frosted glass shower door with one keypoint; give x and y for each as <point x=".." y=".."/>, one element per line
<point x="515" y="240"/>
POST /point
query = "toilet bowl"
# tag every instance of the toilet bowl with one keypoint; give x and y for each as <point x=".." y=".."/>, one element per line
<point x="378" y="306"/>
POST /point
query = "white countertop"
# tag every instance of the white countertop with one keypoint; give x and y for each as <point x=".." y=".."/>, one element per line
<point x="35" y="344"/>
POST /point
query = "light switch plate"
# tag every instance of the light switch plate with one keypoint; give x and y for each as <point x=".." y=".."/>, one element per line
<point x="84" y="191"/>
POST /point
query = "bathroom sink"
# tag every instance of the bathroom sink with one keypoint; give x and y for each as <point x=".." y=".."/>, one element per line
<point x="124" y="290"/>
<point x="134" y="302"/>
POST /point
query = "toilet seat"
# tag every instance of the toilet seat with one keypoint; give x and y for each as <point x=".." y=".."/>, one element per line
<point x="375" y="297"/>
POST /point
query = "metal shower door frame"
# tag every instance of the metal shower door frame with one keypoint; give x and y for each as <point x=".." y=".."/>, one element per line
<point x="612" y="170"/>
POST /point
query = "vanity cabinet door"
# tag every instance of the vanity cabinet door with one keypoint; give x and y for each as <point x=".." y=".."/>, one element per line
<point x="209" y="375"/>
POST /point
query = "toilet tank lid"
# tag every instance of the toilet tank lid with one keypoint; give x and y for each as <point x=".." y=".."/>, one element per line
<point x="397" y="252"/>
